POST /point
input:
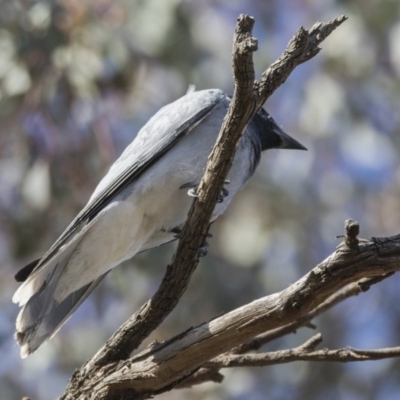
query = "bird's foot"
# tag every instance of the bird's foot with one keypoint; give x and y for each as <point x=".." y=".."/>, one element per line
<point x="224" y="193"/>
<point x="192" y="192"/>
<point x="193" y="188"/>
<point x="203" y="250"/>
<point x="177" y="231"/>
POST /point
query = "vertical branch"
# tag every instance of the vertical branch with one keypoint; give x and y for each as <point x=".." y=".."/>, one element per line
<point x="186" y="258"/>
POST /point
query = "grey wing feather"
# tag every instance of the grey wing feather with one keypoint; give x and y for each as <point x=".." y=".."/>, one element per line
<point x="41" y="316"/>
<point x="141" y="163"/>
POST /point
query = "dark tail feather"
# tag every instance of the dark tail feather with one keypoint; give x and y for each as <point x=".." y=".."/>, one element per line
<point x="23" y="273"/>
<point x="45" y="326"/>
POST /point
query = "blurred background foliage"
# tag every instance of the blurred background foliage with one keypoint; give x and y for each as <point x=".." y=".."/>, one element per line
<point x="77" y="81"/>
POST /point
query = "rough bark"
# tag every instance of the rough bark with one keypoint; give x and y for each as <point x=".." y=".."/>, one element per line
<point x="156" y="368"/>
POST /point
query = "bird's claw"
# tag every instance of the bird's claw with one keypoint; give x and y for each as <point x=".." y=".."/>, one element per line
<point x="193" y="187"/>
<point x="224" y="193"/>
<point x="192" y="193"/>
<point x="178" y="232"/>
<point x="203" y="250"/>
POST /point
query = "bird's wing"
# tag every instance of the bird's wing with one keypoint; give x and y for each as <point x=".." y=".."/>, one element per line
<point x="41" y="316"/>
<point x="162" y="132"/>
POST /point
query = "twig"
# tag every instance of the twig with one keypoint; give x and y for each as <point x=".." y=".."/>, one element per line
<point x="201" y="376"/>
<point x="304" y="352"/>
<point x="301" y="48"/>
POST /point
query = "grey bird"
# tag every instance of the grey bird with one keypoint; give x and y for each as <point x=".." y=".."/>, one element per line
<point x="141" y="203"/>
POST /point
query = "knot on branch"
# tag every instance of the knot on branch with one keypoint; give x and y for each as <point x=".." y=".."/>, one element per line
<point x="298" y="45"/>
<point x="244" y="43"/>
<point x="351" y="231"/>
<point x="248" y="45"/>
<point x="245" y="23"/>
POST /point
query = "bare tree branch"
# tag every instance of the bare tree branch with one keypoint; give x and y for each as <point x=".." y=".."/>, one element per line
<point x="353" y="289"/>
<point x="110" y="373"/>
<point x="302" y="47"/>
<point x="178" y="356"/>
<point x="305" y="352"/>
<point x="350" y="290"/>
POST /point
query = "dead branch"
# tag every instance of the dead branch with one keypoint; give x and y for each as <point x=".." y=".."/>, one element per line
<point x="349" y="291"/>
<point x="353" y="289"/>
<point x="305" y="352"/>
<point x="179" y="356"/>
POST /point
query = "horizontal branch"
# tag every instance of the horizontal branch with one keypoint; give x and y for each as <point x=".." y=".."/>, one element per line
<point x="179" y="356"/>
<point x="304" y="352"/>
<point x="353" y="289"/>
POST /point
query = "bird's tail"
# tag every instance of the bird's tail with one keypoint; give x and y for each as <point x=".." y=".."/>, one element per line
<point x="41" y="317"/>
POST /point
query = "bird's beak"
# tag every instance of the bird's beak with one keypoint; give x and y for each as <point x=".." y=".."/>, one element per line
<point x="286" y="141"/>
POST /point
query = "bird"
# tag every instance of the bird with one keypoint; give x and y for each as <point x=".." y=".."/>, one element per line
<point x="141" y="203"/>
